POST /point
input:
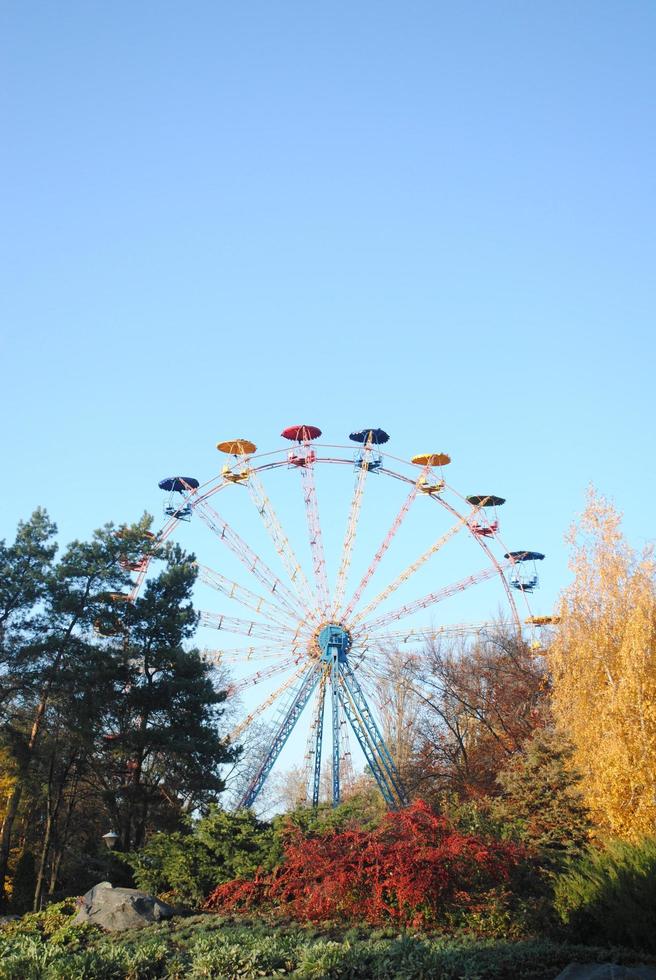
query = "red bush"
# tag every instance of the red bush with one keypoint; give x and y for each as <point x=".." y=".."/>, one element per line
<point x="411" y="869"/>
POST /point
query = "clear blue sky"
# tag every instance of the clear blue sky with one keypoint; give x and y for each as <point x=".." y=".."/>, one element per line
<point x="223" y="218"/>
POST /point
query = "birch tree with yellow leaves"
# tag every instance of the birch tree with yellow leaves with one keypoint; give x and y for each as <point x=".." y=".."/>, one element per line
<point x="603" y="666"/>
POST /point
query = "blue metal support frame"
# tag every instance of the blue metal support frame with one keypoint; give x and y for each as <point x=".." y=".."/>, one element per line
<point x="334" y="687"/>
<point x="334" y="642"/>
<point x="316" y="783"/>
<point x="359" y="701"/>
<point x="361" y="734"/>
<point x="301" y="698"/>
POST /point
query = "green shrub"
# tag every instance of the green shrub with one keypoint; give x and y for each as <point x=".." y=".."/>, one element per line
<point x="186" y="866"/>
<point x="542" y="801"/>
<point x="365" y="810"/>
<point x="49" y="922"/>
<point x="609" y="896"/>
<point x="243" y="955"/>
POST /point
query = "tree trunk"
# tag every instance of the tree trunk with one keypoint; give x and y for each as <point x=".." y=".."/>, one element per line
<point x="52" y="808"/>
<point x="15" y="798"/>
<point x="45" y="850"/>
<point x="14" y="801"/>
<point x="63" y="836"/>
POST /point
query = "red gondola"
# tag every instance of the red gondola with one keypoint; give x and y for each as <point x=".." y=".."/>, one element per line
<point x="303" y="435"/>
<point x="486" y="524"/>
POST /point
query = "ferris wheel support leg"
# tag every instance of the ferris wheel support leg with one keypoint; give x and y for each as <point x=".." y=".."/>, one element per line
<point x="361" y="734"/>
<point x="366" y="718"/>
<point x="316" y="780"/>
<point x="334" y="687"/>
<point x="292" y="715"/>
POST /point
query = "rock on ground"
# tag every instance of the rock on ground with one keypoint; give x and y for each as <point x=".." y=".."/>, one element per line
<point x="115" y="909"/>
<point x="607" y="971"/>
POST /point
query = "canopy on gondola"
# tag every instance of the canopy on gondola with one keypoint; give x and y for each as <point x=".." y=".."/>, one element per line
<point x="301" y="433"/>
<point x="237" y="447"/>
<point x="521" y="578"/>
<point x="431" y="459"/>
<point x="485" y="500"/>
<point x="375" y="436"/>
<point x="180" y="484"/>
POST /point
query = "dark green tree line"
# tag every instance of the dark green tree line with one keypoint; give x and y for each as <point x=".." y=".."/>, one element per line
<point x="107" y="716"/>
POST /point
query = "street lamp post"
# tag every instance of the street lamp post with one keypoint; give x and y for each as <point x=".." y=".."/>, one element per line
<point x="110" y="839"/>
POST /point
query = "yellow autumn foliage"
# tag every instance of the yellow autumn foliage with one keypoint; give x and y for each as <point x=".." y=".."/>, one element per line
<point x="7" y="780"/>
<point x="603" y="667"/>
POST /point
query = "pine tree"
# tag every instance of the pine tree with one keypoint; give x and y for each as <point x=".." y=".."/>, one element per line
<point x="163" y="751"/>
<point x="542" y="794"/>
<point x="47" y="613"/>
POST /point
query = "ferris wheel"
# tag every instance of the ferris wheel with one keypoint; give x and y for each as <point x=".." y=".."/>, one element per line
<point x="328" y="642"/>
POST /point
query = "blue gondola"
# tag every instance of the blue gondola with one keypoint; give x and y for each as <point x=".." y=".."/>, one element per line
<point x="368" y="458"/>
<point x="182" y="485"/>
<point x="521" y="578"/>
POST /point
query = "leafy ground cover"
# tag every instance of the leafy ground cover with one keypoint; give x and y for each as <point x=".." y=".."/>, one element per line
<point x="46" y="947"/>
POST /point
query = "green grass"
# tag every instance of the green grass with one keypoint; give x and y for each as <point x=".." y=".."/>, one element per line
<point x="47" y="947"/>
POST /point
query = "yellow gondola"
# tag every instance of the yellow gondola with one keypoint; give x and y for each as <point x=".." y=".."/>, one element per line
<point x="430" y="459"/>
<point x="237" y="448"/>
<point x="232" y="476"/>
<point x="426" y="487"/>
<point x="542" y="620"/>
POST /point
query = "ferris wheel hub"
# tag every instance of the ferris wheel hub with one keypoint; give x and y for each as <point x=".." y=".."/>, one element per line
<point x="330" y="639"/>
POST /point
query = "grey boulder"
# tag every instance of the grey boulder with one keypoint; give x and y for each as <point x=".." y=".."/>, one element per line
<point x="606" y="971"/>
<point x="115" y="909"/>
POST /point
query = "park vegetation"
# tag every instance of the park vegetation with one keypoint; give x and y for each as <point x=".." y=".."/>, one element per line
<point x="531" y="773"/>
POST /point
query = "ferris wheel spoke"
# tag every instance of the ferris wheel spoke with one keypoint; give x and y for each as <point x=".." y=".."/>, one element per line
<point x="245" y="654"/>
<point x="268" y="701"/>
<point x="264" y="674"/>
<point x="424" y="602"/>
<point x="412" y="569"/>
<point x="243" y="595"/>
<point x="309" y="680"/>
<point x="247" y="556"/>
<point x="247" y="627"/>
<point x="387" y="540"/>
<point x="349" y="537"/>
<point x="264" y="507"/>
<point x="381" y="646"/>
<point x="315" y="536"/>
